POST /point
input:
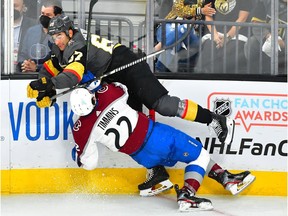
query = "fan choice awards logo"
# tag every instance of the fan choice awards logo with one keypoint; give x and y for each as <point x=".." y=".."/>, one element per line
<point x="251" y="110"/>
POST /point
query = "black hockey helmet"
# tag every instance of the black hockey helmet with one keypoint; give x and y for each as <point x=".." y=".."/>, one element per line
<point x="61" y="23"/>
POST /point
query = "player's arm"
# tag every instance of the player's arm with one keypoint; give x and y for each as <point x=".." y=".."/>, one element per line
<point x="43" y="88"/>
<point x="50" y="77"/>
<point x="89" y="159"/>
<point x="51" y="66"/>
<point x="48" y="70"/>
<point x="72" y="73"/>
<point x="85" y="153"/>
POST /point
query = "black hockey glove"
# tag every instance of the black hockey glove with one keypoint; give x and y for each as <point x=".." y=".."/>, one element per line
<point x="41" y="85"/>
<point x="42" y="89"/>
<point x="43" y="99"/>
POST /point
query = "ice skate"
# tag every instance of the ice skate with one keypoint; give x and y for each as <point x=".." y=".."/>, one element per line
<point x="223" y="127"/>
<point x="157" y="181"/>
<point x="235" y="183"/>
<point x="187" y="201"/>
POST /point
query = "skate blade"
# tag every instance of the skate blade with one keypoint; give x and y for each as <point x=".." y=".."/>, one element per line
<point x="165" y="185"/>
<point x="230" y="135"/>
<point x="186" y="206"/>
<point x="237" y="188"/>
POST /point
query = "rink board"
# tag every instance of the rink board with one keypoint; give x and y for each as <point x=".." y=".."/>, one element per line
<point x="36" y="143"/>
<point x="123" y="181"/>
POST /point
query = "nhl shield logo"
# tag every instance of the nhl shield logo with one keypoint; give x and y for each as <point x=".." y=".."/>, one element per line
<point x="222" y="107"/>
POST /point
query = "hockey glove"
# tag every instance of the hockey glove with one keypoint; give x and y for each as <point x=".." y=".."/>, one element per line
<point x="42" y="85"/>
<point x="45" y="102"/>
<point x="43" y="99"/>
<point x="94" y="86"/>
<point x="42" y="89"/>
<point x="89" y="77"/>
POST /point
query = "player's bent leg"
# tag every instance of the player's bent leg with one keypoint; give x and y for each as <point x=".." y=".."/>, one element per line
<point x="157" y="182"/>
<point x="187" y="201"/>
<point x="187" y="109"/>
<point x="221" y="125"/>
<point x="235" y="183"/>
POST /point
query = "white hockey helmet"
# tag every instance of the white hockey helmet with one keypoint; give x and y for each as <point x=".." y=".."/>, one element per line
<point x="82" y="101"/>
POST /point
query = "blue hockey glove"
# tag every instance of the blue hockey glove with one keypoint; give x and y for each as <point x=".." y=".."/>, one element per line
<point x="87" y="77"/>
<point x="94" y="86"/>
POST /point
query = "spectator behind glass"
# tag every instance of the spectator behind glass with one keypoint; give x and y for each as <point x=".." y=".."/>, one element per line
<point x="21" y="25"/>
<point x="181" y="9"/>
<point x="36" y="42"/>
<point x="164" y="8"/>
<point x="258" y="48"/>
<point x="212" y="56"/>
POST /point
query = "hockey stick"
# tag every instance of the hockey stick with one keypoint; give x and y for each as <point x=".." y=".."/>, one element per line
<point x="92" y="3"/>
<point x="107" y="74"/>
<point x="124" y="66"/>
<point x="145" y="57"/>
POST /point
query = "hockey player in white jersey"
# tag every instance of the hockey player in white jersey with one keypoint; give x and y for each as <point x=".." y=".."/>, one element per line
<point x="69" y="65"/>
<point x="106" y="118"/>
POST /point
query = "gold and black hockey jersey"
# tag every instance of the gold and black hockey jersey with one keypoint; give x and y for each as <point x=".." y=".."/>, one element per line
<point x="72" y="61"/>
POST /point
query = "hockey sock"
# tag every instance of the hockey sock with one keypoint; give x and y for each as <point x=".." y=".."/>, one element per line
<point x="213" y="166"/>
<point x="192" y="111"/>
<point x="215" y="171"/>
<point x="192" y="184"/>
<point x="195" y="171"/>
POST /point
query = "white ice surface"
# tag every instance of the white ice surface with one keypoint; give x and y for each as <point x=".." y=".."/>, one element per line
<point x="128" y="205"/>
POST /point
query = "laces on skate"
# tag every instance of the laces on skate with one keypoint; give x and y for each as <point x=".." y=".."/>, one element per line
<point x="157" y="182"/>
<point x="223" y="128"/>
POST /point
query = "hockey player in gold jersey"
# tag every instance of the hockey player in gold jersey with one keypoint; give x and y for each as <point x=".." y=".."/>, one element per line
<point x="70" y="65"/>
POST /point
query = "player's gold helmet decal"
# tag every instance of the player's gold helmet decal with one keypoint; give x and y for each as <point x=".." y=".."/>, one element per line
<point x="225" y="6"/>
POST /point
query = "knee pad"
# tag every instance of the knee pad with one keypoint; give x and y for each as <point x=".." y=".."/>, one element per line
<point x="167" y="105"/>
<point x="202" y="160"/>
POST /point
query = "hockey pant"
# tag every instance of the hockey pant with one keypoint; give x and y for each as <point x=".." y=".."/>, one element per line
<point x="165" y="145"/>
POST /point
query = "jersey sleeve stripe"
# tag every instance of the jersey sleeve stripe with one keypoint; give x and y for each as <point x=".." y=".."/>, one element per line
<point x="48" y="65"/>
<point x="76" y="68"/>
